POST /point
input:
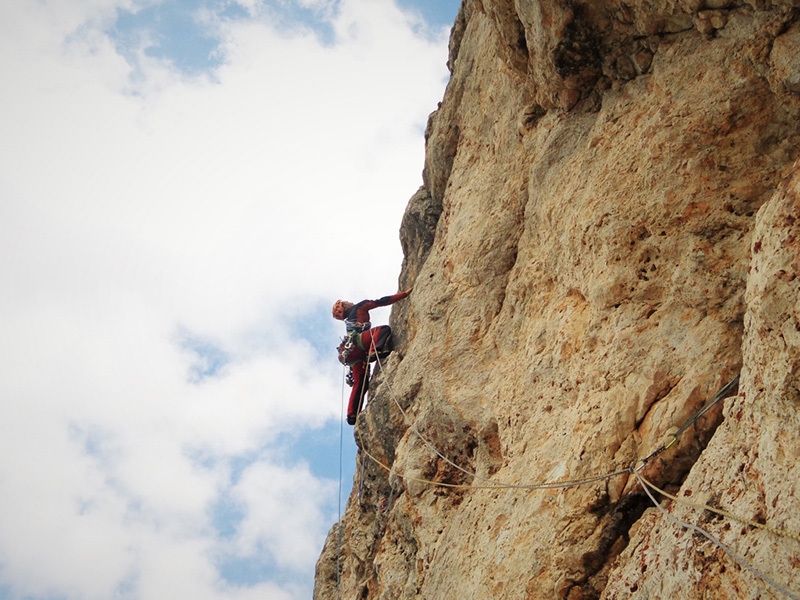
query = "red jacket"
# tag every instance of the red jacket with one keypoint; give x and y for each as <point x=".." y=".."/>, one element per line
<point x="356" y="318"/>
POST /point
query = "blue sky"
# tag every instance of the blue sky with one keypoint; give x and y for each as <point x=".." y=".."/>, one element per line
<point x="181" y="32"/>
<point x="178" y="187"/>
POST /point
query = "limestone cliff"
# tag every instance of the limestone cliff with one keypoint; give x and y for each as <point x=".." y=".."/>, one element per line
<point x="608" y="233"/>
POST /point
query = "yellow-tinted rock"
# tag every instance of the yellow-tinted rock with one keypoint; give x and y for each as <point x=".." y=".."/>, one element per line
<point x="600" y="246"/>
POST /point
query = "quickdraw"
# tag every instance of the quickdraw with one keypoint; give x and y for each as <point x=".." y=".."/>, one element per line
<point x="346" y="347"/>
<point x="349" y="343"/>
<point x="352" y="340"/>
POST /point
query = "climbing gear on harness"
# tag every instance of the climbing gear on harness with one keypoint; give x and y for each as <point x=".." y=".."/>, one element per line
<point x="346" y="347"/>
<point x="353" y="341"/>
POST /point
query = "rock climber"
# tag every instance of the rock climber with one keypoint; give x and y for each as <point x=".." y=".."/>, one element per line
<point x="362" y="344"/>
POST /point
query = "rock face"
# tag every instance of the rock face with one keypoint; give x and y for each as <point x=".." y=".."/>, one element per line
<point x="608" y="233"/>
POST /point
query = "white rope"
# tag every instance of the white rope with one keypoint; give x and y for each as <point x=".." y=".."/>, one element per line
<point x="554" y="485"/>
<point x="573" y="483"/>
<point x="340" y="533"/>
<point x="716" y="541"/>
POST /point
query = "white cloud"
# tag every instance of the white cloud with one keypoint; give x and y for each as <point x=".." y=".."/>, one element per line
<point x="156" y="250"/>
<point x="266" y="490"/>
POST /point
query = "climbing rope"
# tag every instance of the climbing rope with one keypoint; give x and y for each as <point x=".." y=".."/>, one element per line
<point x="646" y="485"/>
<point x="723" y="393"/>
<point x="340" y="532"/>
<point x="719" y="511"/>
<point x="362" y="394"/>
<point x="491" y="483"/>
<point x="715" y="540"/>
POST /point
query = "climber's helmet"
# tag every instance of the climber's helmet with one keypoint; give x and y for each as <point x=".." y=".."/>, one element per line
<point x="339" y="307"/>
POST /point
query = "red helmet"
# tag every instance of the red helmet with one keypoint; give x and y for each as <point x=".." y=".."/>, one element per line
<point x="338" y="309"/>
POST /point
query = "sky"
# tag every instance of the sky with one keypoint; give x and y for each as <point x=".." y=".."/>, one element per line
<point x="185" y="188"/>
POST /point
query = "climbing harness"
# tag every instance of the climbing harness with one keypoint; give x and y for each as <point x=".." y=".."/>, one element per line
<point x="351" y="342"/>
<point x="353" y="326"/>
